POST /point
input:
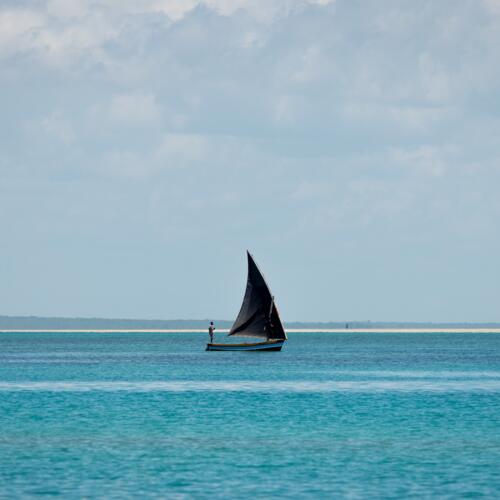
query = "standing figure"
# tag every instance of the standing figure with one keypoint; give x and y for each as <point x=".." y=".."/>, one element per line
<point x="211" y="330"/>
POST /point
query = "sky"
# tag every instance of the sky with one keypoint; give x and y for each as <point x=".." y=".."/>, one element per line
<point x="352" y="146"/>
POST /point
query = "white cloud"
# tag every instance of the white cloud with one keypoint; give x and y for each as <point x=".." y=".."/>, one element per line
<point x="58" y="126"/>
<point x="174" y="9"/>
<point x="493" y="6"/>
<point x="284" y="110"/>
<point x="203" y="152"/>
<point x="68" y="9"/>
<point x="404" y="117"/>
<point x="125" y="164"/>
<point x="435" y="79"/>
<point x="181" y="149"/>
<point x="76" y="42"/>
<point x="17" y="28"/>
<point x="426" y="159"/>
<point x="135" y="109"/>
<point x="59" y="30"/>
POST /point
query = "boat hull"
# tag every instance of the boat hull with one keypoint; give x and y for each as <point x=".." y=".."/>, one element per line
<point x="269" y="345"/>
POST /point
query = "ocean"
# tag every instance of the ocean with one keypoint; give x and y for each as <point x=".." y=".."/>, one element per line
<point x="333" y="415"/>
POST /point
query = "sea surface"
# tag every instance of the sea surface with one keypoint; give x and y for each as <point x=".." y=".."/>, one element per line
<point x="334" y="415"/>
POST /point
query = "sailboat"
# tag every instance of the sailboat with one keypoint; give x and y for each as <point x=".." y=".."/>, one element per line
<point x="258" y="317"/>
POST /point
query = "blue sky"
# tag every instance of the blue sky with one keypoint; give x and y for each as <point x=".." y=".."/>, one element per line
<point x="352" y="146"/>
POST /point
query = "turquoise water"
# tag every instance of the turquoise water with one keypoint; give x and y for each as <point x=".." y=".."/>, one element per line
<point x="332" y="415"/>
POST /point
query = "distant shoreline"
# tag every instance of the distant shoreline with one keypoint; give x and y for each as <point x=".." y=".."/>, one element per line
<point x="288" y="330"/>
<point x="40" y="323"/>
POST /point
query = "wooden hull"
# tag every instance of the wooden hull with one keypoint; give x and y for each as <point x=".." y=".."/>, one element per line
<point x="269" y="345"/>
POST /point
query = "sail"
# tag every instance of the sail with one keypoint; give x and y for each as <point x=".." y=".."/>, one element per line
<point x="258" y="316"/>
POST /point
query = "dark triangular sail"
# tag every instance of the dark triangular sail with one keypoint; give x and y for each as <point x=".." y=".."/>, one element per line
<point x="258" y="316"/>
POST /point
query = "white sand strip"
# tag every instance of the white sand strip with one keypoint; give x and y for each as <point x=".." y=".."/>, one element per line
<point x="290" y="330"/>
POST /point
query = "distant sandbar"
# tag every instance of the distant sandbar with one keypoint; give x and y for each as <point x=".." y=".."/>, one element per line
<point x="290" y="330"/>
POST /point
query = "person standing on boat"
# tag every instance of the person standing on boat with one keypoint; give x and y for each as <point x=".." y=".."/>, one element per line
<point x="211" y="330"/>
